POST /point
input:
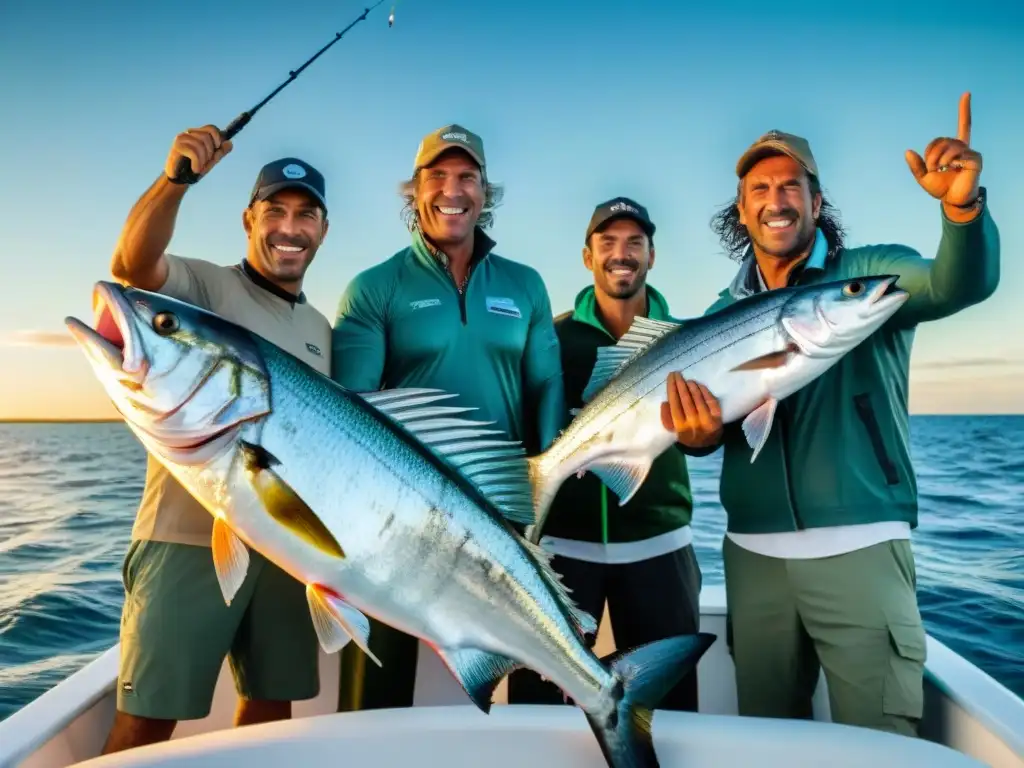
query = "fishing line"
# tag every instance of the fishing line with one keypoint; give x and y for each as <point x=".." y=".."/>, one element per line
<point x="184" y="173"/>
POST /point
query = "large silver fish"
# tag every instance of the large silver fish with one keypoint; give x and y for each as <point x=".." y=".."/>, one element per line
<point x="382" y="504"/>
<point x="749" y="355"/>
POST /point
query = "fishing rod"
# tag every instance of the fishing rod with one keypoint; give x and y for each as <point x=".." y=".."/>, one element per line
<point x="183" y="171"/>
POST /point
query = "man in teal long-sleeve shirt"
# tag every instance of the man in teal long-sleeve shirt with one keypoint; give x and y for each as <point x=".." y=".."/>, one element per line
<point x="819" y="570"/>
<point x="448" y="313"/>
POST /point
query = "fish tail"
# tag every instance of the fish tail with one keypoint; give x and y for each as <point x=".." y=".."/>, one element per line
<point x="544" y="486"/>
<point x="642" y="676"/>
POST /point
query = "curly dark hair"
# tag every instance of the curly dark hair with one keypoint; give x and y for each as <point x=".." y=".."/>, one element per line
<point x="736" y="239"/>
<point x="493" y="194"/>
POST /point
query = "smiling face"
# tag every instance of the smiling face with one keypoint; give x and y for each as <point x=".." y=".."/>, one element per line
<point x="285" y="231"/>
<point x="778" y="207"/>
<point x="449" y="198"/>
<point x="619" y="255"/>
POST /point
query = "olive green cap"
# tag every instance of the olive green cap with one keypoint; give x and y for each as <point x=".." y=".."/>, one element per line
<point x="452" y="136"/>
<point x="776" y="143"/>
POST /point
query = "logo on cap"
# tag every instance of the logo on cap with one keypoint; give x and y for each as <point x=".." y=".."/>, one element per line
<point x="623" y="207"/>
<point x="293" y="171"/>
<point x="454" y="137"/>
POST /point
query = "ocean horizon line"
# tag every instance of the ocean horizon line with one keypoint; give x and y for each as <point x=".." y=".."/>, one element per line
<point x="117" y="420"/>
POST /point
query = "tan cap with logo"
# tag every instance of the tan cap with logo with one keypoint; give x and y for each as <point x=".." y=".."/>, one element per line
<point x="450" y="137"/>
<point x="774" y="143"/>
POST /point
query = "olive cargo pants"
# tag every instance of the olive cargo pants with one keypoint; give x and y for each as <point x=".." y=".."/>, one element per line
<point x="854" y="615"/>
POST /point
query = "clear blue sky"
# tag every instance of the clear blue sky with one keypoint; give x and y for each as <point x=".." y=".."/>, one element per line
<point x="576" y="101"/>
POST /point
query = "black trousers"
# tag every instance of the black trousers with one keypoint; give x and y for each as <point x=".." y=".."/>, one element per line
<point x="647" y="601"/>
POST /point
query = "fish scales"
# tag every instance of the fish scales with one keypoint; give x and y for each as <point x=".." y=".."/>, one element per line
<point x="749" y="355"/>
<point x="383" y="504"/>
<point x="424" y="526"/>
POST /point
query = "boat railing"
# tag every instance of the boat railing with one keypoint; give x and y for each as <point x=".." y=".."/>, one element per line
<point x="52" y="713"/>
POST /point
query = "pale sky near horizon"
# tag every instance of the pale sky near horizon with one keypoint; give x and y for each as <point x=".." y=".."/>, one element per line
<point x="575" y="105"/>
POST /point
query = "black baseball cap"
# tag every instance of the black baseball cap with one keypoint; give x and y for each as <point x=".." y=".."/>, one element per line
<point x="619" y="208"/>
<point x="289" y="173"/>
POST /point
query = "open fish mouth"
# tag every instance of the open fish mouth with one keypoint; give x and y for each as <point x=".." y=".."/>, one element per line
<point x="886" y="294"/>
<point x="110" y="339"/>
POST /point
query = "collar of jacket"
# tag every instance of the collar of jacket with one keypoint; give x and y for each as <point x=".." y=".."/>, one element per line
<point x="748" y="279"/>
<point x="429" y="254"/>
<point x="585" y="310"/>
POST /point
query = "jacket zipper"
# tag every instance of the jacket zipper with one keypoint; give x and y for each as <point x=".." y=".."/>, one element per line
<point x="461" y="291"/>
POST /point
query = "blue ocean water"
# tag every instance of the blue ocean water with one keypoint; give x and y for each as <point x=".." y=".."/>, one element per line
<point x="68" y="494"/>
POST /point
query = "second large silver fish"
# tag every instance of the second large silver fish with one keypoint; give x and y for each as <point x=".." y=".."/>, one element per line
<point x="749" y="355"/>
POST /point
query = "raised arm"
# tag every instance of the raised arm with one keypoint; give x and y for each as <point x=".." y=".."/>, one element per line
<point x="358" y="341"/>
<point x="965" y="270"/>
<point x="139" y="255"/>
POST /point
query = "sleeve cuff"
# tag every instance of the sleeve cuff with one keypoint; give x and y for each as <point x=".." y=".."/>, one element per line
<point x="982" y="208"/>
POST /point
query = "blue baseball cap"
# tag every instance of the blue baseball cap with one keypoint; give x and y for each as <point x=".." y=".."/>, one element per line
<point x="289" y="173"/>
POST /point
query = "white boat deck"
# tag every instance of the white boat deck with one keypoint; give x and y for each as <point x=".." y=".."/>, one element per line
<point x="970" y="720"/>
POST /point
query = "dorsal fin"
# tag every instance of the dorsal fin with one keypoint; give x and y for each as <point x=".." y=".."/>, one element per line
<point x="496" y="466"/>
<point x="642" y="334"/>
<point x="585" y="623"/>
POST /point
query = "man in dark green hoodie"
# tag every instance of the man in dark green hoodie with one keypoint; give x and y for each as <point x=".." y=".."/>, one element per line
<point x="819" y="570"/>
<point x="638" y="557"/>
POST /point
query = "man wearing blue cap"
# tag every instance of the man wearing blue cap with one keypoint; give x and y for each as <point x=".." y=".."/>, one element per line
<point x="175" y="628"/>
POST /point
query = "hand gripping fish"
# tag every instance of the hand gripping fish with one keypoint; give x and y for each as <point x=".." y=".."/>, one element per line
<point x="749" y="355"/>
<point x="383" y="503"/>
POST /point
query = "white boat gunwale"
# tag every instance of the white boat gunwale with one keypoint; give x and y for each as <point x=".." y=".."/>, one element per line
<point x="55" y="714"/>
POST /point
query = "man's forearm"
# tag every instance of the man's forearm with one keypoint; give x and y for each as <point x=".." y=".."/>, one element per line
<point x="552" y="414"/>
<point x="138" y="258"/>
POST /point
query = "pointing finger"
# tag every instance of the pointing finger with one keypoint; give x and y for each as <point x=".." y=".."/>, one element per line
<point x="964" y="131"/>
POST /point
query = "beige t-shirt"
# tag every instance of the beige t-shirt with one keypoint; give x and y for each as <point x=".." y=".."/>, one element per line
<point x="167" y="511"/>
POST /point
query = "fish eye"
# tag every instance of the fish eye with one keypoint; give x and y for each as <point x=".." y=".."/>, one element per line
<point x="855" y="288"/>
<point x="165" y="323"/>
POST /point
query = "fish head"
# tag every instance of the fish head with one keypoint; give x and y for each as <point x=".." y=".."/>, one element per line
<point x="827" y="320"/>
<point x="182" y="377"/>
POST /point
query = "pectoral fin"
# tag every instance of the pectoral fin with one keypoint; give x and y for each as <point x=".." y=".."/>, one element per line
<point x="624" y="477"/>
<point x="758" y="424"/>
<point x="770" y="360"/>
<point x="230" y="559"/>
<point x="283" y="503"/>
<point x="336" y="622"/>
<point x="478" y="672"/>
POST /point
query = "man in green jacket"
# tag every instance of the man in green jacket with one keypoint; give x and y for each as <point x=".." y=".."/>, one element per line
<point x="638" y="557"/>
<point x="447" y="312"/>
<point x="818" y="563"/>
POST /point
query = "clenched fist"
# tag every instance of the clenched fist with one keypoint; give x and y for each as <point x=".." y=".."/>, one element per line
<point x="204" y="147"/>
